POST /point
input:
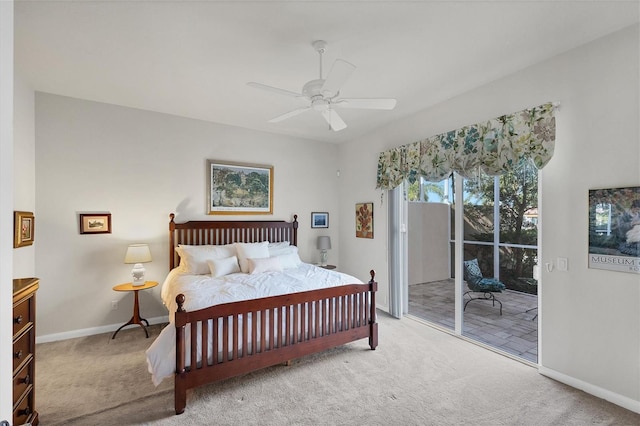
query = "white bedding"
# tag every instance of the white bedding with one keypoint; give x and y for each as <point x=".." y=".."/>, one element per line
<point x="202" y="291"/>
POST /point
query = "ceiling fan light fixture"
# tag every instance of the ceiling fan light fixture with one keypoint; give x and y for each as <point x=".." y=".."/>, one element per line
<point x="320" y="104"/>
<point x="313" y="88"/>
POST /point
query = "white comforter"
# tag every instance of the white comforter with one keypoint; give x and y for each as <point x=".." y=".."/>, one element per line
<point x="202" y="291"/>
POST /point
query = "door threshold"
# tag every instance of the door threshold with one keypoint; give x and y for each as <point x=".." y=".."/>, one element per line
<point x="473" y="341"/>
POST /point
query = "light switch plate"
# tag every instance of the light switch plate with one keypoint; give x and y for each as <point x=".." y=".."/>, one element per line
<point x="563" y="264"/>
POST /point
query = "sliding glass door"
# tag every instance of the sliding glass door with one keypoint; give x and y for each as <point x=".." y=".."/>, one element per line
<point x="431" y="286"/>
<point x="501" y="233"/>
<point x="499" y="230"/>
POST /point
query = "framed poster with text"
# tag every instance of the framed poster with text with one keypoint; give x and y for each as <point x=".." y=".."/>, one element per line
<point x="614" y="229"/>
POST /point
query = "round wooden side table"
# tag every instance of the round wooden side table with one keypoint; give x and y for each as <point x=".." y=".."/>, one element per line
<point x="135" y="319"/>
<point x="328" y="266"/>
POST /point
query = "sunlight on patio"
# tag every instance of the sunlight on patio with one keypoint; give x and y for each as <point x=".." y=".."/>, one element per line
<point x="514" y="332"/>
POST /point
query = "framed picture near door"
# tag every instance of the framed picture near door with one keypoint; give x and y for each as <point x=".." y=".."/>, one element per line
<point x="364" y="220"/>
<point x="614" y="229"/>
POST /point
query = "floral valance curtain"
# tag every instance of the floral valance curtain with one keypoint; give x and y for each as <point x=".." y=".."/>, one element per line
<point x="493" y="147"/>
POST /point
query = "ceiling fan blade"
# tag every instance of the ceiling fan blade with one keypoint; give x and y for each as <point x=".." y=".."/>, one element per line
<point x="289" y="114"/>
<point x="340" y="72"/>
<point x="274" y="89"/>
<point x="366" y="103"/>
<point x="334" y="120"/>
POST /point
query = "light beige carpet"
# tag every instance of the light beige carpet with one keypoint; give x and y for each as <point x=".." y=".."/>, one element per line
<point x="417" y="376"/>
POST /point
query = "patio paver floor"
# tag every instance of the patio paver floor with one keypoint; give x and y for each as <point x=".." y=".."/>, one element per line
<point x="515" y="332"/>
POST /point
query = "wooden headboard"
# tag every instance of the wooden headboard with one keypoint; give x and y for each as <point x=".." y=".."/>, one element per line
<point x="219" y="232"/>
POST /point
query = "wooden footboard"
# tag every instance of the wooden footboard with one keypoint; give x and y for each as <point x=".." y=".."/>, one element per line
<point x="232" y="339"/>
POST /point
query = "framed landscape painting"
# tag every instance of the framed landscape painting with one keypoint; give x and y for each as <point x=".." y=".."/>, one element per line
<point x="319" y="220"/>
<point x="239" y="188"/>
<point x="95" y="223"/>
<point x="614" y="229"/>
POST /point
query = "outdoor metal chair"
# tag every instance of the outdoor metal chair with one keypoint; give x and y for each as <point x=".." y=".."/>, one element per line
<point x="478" y="284"/>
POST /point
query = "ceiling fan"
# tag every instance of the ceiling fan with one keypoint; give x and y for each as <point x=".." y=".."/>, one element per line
<point x="323" y="94"/>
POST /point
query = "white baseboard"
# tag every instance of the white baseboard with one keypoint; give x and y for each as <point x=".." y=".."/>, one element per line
<point x="91" y="331"/>
<point x="589" y="388"/>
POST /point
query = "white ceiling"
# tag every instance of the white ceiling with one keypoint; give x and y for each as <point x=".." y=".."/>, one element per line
<point x="194" y="58"/>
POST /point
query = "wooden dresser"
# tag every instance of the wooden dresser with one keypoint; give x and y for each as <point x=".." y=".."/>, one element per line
<point x="24" y="348"/>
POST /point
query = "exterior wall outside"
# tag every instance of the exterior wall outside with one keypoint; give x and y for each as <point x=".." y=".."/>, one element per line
<point x="428" y="235"/>
<point x="591" y="338"/>
<point x="140" y="166"/>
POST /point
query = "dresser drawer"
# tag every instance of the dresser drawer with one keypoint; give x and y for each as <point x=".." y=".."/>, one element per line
<point x="24" y="413"/>
<point x="21" y="315"/>
<point x="23" y="381"/>
<point x="23" y="349"/>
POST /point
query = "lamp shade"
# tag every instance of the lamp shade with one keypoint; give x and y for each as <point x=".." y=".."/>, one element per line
<point x="324" y="243"/>
<point x="137" y="253"/>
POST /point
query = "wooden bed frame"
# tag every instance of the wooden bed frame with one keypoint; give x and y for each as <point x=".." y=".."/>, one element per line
<point x="286" y="327"/>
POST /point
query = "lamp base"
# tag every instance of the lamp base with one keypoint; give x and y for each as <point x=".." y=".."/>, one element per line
<point x="138" y="275"/>
<point x="323" y="258"/>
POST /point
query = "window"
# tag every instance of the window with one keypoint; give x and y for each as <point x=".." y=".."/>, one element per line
<point x="430" y="192"/>
<point x="510" y="229"/>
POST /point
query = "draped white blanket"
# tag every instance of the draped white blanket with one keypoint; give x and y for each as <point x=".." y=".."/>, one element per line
<point x="202" y="291"/>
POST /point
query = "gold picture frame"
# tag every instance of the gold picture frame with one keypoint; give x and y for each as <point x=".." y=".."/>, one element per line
<point x="364" y="220"/>
<point x="239" y="188"/>
<point x="24" y="226"/>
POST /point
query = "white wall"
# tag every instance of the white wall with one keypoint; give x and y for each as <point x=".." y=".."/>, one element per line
<point x="428" y="241"/>
<point x="358" y="256"/>
<point x="590" y="319"/>
<point x="140" y="166"/>
<point x="6" y="206"/>
<point x="24" y="170"/>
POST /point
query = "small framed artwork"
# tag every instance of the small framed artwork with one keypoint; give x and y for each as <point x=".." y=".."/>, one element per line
<point x="364" y="220"/>
<point x="23" y="228"/>
<point x="238" y="188"/>
<point x="95" y="223"/>
<point x="319" y="220"/>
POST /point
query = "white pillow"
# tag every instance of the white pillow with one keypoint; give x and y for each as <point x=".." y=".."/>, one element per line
<point x="222" y="267"/>
<point x="266" y="264"/>
<point x="193" y="259"/>
<point x="289" y="261"/>
<point x="251" y="251"/>
<point x="278" y="245"/>
<point x="279" y="251"/>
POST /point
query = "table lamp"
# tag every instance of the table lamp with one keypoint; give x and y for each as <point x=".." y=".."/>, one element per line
<point x="138" y="254"/>
<point x="324" y="244"/>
